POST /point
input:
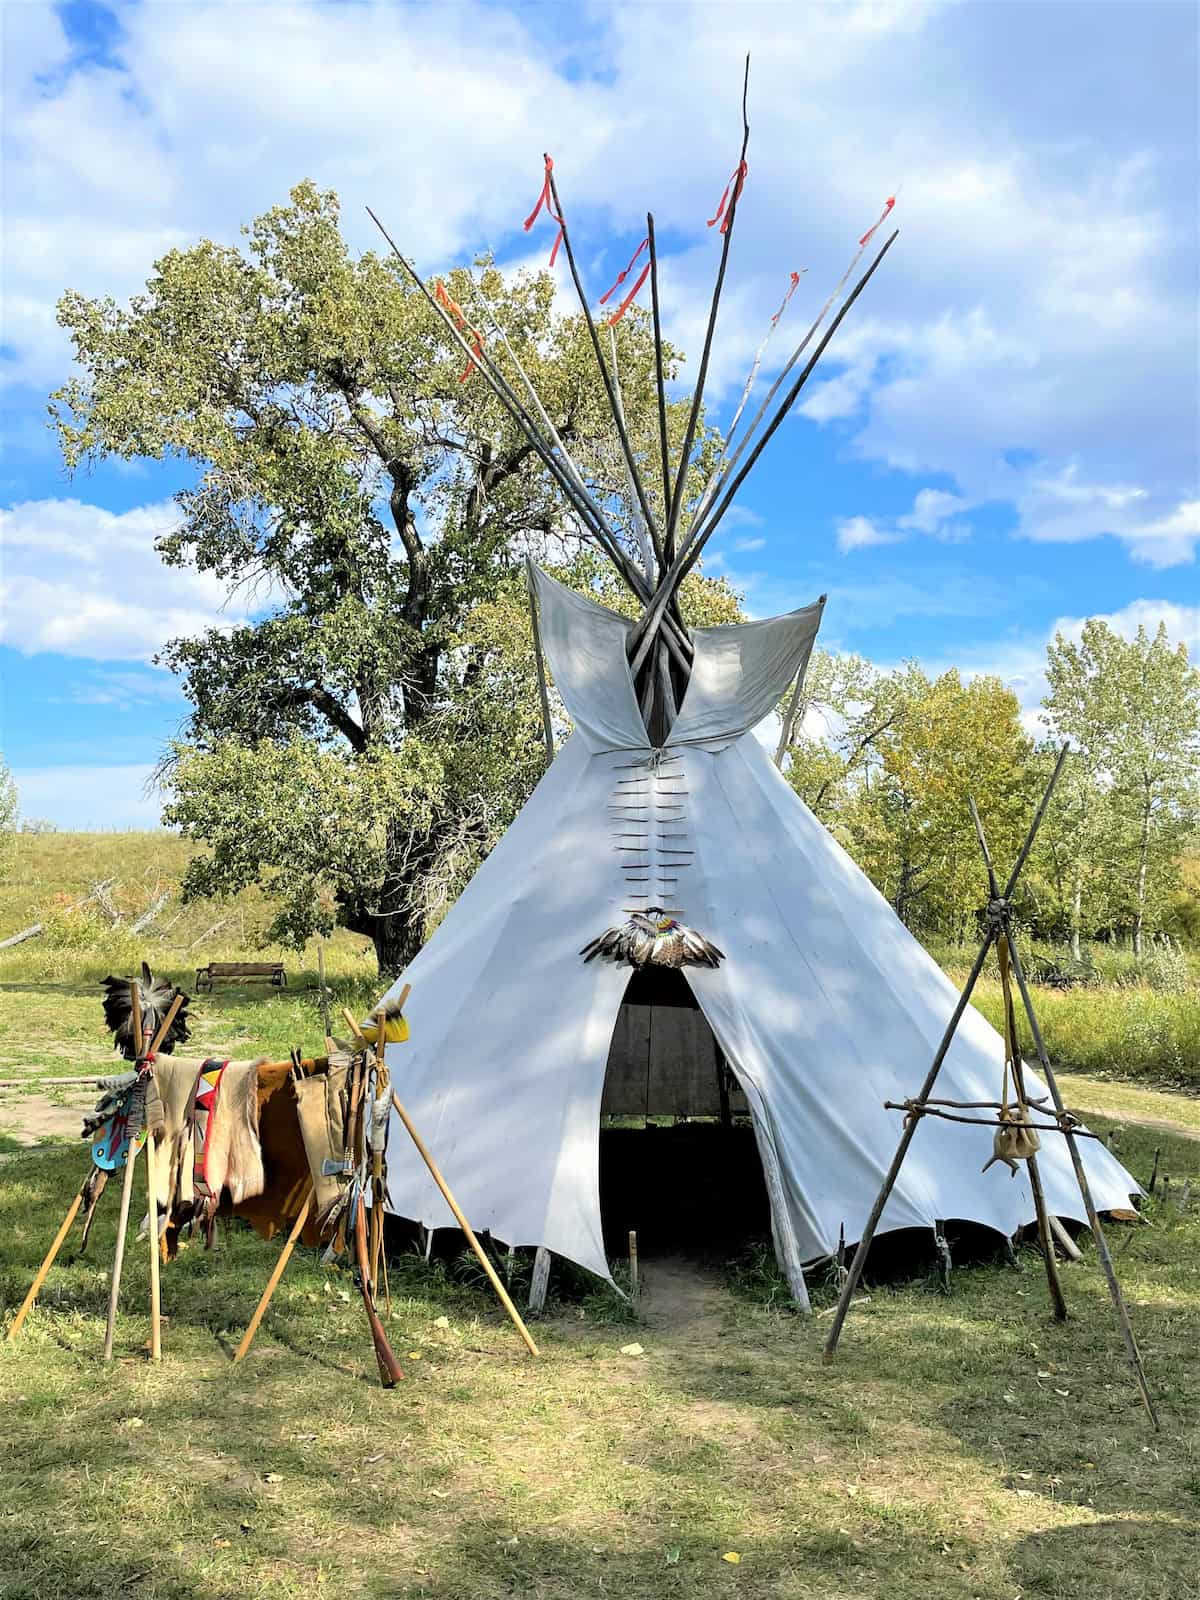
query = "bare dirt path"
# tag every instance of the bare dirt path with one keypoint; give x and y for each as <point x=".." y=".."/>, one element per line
<point x="1177" y="1130"/>
<point x="32" y="1119"/>
<point x="682" y="1299"/>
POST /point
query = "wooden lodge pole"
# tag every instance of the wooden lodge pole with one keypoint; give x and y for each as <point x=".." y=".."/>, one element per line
<point x="1012" y="1045"/>
<point x="435" y="1173"/>
<point x="858" y="1261"/>
<point x="151" y="1194"/>
<point x="1102" y="1250"/>
<point x="114" y="1293"/>
<point x="43" y="1271"/>
<point x="285" y="1255"/>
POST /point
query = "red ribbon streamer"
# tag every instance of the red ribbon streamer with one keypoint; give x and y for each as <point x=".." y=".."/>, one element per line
<point x="891" y="201"/>
<point x="795" y="276"/>
<point x="630" y="297"/>
<point x="547" y="199"/>
<point x="621" y="276"/>
<point x="442" y="295"/>
<point x="736" y="181"/>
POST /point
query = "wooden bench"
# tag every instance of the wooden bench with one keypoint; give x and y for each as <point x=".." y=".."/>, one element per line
<point x="241" y="972"/>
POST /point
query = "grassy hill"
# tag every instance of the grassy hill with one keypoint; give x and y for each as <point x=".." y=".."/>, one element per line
<point x="1141" y="1024"/>
<point x="50" y="1020"/>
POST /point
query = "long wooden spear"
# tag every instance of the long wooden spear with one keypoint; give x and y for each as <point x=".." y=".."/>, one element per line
<point x="677" y="493"/>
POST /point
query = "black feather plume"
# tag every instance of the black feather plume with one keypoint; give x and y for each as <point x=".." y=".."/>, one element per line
<point x="156" y="995"/>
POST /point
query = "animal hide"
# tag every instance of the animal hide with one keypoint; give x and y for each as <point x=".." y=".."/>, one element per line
<point x="1014" y="1140"/>
<point x="265" y="1185"/>
<point x="285" y="1165"/>
<point x="234" y="1157"/>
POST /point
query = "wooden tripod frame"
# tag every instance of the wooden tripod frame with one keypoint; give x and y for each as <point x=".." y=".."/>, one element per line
<point x="1000" y="926"/>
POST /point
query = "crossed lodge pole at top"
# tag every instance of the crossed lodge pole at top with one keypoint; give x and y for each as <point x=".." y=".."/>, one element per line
<point x="660" y="627"/>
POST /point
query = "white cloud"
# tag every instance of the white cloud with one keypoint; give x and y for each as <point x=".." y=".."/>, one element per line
<point x="933" y="514"/>
<point x="85" y="798"/>
<point x="745" y="546"/>
<point x="1039" y="298"/>
<point x="1067" y="509"/>
<point x="82" y="581"/>
<point x="932" y="509"/>
<point x="858" y="533"/>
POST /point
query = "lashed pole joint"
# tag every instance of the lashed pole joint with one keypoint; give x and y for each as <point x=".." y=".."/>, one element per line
<point x="586" y="512"/>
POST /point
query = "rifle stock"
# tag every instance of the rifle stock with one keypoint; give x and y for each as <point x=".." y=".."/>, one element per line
<point x="390" y="1370"/>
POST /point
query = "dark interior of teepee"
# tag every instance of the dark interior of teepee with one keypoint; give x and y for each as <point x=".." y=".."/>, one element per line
<point x="679" y="1164"/>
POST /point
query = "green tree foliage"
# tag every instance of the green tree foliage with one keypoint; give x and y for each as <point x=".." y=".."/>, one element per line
<point x="903" y="807"/>
<point x="1132" y="710"/>
<point x="1077" y="861"/>
<point x="831" y="730"/>
<point x="359" y="746"/>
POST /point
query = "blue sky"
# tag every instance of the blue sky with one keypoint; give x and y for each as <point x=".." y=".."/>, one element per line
<point x="1003" y="440"/>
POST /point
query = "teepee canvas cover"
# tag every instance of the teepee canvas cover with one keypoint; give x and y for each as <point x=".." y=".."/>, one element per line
<point x="825" y="1006"/>
<point x="822" y="1002"/>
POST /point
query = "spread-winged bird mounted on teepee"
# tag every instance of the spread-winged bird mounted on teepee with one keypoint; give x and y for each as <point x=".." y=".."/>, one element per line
<point x="653" y="554"/>
<point x="653" y="937"/>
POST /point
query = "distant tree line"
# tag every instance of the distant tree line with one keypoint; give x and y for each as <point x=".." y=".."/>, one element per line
<point x="887" y="760"/>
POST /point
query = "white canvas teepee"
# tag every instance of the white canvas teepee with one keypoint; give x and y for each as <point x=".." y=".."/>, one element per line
<point x="824" y="1005"/>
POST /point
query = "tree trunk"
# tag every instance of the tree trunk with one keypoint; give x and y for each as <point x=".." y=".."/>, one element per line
<point x="396" y="939"/>
<point x="1076" y="915"/>
<point x="1143" y="854"/>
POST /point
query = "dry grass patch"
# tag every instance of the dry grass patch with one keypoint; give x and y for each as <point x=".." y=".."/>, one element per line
<point x="936" y="1457"/>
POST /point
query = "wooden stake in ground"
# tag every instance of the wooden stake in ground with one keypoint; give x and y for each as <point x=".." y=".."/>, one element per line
<point x="633" y="1264"/>
<point x="285" y="1255"/>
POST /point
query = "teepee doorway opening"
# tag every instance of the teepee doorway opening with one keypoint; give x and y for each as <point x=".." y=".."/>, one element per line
<point x="681" y="1154"/>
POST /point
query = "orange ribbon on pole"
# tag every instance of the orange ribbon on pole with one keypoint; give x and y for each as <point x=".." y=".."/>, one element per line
<point x="546" y="199"/>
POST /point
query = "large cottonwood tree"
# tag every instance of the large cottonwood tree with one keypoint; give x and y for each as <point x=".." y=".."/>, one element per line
<point x="358" y="746"/>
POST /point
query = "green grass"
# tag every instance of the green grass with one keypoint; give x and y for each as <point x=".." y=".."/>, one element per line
<point x="961" y="1446"/>
<point x="50" y="1019"/>
<point x="1119" y="1032"/>
<point x="936" y="1458"/>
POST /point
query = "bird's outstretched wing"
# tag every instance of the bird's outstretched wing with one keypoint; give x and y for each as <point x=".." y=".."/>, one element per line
<point x="642" y="941"/>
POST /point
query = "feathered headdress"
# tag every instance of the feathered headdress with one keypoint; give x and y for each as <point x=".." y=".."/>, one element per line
<point x="156" y="995"/>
